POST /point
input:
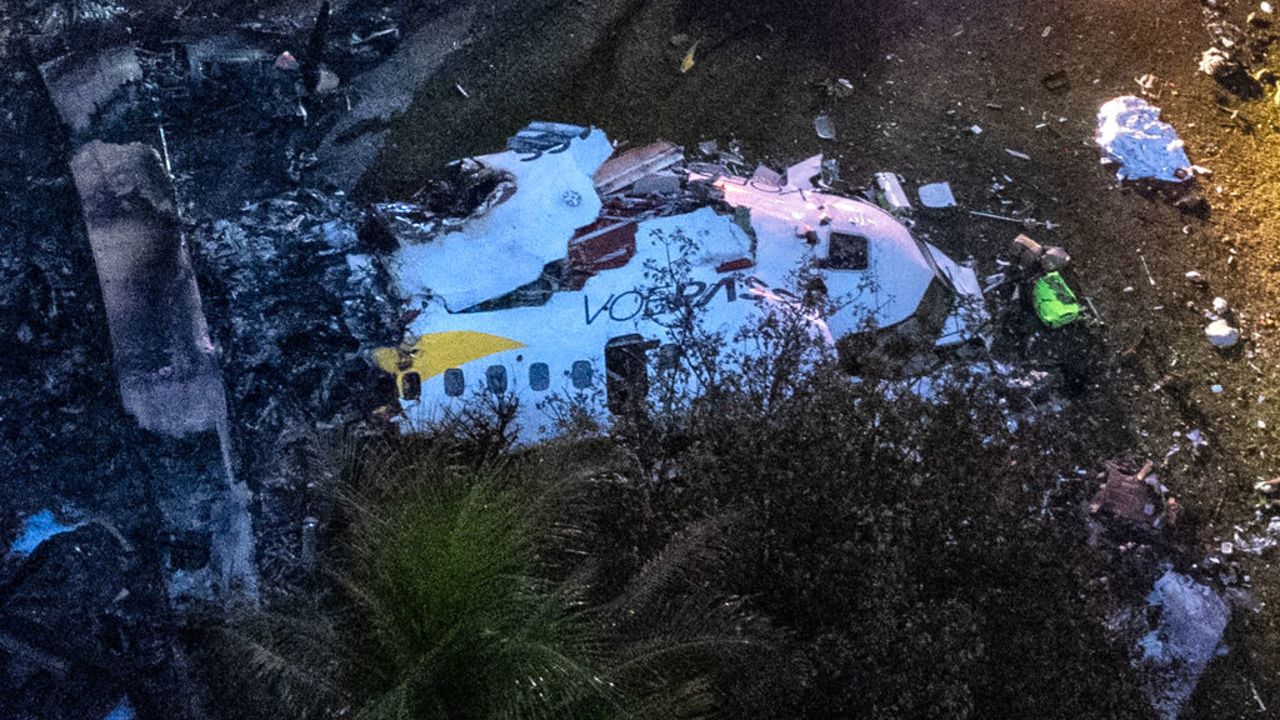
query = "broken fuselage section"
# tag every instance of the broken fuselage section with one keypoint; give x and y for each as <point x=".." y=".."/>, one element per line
<point x="580" y="274"/>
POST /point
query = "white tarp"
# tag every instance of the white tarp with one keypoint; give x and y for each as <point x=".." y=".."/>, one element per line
<point x="1131" y="133"/>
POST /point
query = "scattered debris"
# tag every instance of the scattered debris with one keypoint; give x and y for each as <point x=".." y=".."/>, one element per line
<point x="1147" y="269"/>
<point x="1216" y="63"/>
<point x="1054" y="258"/>
<point x="1094" y="310"/>
<point x="1027" y="251"/>
<point x="687" y="62"/>
<point x="619" y="172"/>
<point x="891" y="194"/>
<point x="975" y="129"/>
<point x="825" y="128"/>
<point x="1222" y="334"/>
<point x="286" y="61"/>
<point x="1130" y="133"/>
<point x="768" y="176"/>
<point x="840" y="87"/>
<point x="1054" y="301"/>
<point x="36" y="529"/>
<point x="1134" y="498"/>
<point x="1220" y="306"/>
<point x="1195" y="278"/>
<point x="1019" y="155"/>
<point x="1188" y="634"/>
<point x="1025" y="222"/>
<point x="166" y="366"/>
<point x="1229" y="72"/>
<point x="461" y="90"/>
<point x="937" y="195"/>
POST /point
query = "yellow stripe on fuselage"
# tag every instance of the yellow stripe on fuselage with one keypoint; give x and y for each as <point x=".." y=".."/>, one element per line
<point x="434" y="353"/>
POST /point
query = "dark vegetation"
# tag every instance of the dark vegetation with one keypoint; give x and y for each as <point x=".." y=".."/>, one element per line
<point x="783" y="543"/>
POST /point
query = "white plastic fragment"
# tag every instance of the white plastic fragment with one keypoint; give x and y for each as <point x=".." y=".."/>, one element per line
<point x="1220" y="305"/>
<point x="825" y="128"/>
<point x="937" y="195"/>
<point x="891" y="187"/>
<point x="1019" y="155"/>
<point x="1221" y="334"/>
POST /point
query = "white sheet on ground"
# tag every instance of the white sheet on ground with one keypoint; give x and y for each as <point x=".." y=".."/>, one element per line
<point x="1131" y="133"/>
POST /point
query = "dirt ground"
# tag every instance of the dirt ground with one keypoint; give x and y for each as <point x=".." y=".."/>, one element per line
<point x="923" y="73"/>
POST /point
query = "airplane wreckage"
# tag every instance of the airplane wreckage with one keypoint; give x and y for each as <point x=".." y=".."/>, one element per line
<point x="576" y="263"/>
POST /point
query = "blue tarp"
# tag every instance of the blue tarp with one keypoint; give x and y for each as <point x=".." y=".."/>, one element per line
<point x="38" y="528"/>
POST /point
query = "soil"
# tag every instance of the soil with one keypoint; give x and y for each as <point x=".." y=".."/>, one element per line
<point x="1031" y="75"/>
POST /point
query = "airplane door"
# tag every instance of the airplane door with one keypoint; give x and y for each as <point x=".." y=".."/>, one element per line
<point x="627" y="371"/>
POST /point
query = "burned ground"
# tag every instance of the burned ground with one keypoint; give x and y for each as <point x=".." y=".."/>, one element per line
<point x="1031" y="75"/>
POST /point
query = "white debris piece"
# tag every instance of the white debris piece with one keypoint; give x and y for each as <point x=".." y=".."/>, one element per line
<point x="1189" y="633"/>
<point x="1214" y="62"/>
<point x="1220" y="305"/>
<point x="1221" y="334"/>
<point x="937" y="195"/>
<point x="1130" y="133"/>
<point x="824" y="127"/>
<point x="801" y="174"/>
<point x="509" y="245"/>
<point x="891" y="188"/>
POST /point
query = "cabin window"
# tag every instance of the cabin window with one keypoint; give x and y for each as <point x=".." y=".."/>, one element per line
<point x="626" y="371"/>
<point x="411" y="386"/>
<point x="539" y="376"/>
<point x="847" y="252"/>
<point x="580" y="374"/>
<point x="454" y="383"/>
<point x="496" y="379"/>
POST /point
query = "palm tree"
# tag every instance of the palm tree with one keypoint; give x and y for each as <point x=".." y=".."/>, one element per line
<point x="469" y="593"/>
